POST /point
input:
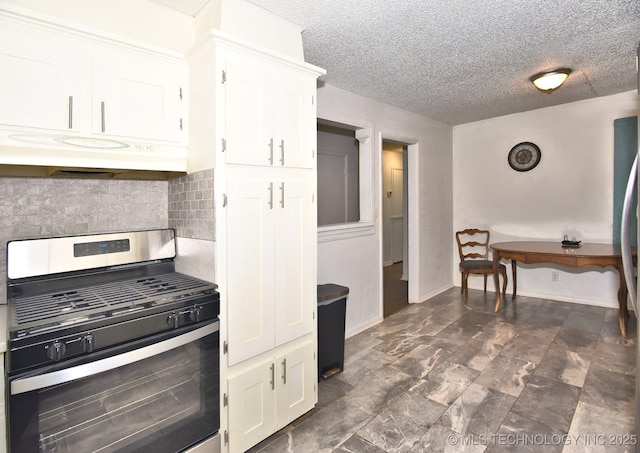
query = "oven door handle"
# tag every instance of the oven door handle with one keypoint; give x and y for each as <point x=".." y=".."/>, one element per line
<point x="42" y="381"/>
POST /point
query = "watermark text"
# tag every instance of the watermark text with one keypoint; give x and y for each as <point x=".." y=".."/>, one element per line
<point x="513" y="439"/>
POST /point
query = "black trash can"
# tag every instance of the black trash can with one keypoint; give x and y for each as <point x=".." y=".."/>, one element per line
<point x="332" y="305"/>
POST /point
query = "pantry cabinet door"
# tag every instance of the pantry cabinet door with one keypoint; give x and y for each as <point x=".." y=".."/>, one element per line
<point x="249" y="114"/>
<point x="296" y="384"/>
<point x="250" y="268"/>
<point x="252" y="402"/>
<point x="295" y="260"/>
<point x="139" y="96"/>
<point x="42" y="76"/>
<point x="296" y="120"/>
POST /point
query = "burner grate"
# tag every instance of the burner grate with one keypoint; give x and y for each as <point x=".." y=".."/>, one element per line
<point x="154" y="289"/>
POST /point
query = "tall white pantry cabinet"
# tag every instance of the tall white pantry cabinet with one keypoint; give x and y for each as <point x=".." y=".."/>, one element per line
<point x="260" y="108"/>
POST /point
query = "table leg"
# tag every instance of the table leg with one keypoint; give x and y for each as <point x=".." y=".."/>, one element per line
<point x="515" y="278"/>
<point x="496" y="279"/>
<point x="622" y="301"/>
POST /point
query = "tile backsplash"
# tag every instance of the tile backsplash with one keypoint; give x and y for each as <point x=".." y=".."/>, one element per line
<point x="38" y="207"/>
<point x="191" y="206"/>
<point x="42" y="207"/>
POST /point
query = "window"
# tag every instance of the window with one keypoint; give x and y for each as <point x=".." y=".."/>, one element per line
<point x="345" y="180"/>
<point x="338" y="180"/>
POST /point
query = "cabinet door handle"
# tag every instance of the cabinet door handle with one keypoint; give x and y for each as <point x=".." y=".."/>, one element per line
<point x="271" y="196"/>
<point x="282" y="152"/>
<point x="102" y="119"/>
<point x="284" y="371"/>
<point x="273" y="376"/>
<point x="271" y="151"/>
<point x="70" y="112"/>
<point x="282" y="195"/>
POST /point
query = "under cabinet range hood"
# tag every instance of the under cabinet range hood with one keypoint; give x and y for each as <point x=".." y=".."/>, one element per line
<point x="24" y="154"/>
<point x="40" y="171"/>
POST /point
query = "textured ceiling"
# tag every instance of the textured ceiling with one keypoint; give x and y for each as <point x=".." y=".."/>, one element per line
<point x="459" y="61"/>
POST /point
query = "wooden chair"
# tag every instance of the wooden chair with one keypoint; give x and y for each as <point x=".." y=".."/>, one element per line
<point x="473" y="248"/>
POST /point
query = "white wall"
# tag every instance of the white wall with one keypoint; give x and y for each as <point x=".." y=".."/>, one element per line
<point x="569" y="192"/>
<point x="357" y="262"/>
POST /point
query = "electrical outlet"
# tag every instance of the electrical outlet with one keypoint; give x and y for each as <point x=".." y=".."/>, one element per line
<point x="555" y="276"/>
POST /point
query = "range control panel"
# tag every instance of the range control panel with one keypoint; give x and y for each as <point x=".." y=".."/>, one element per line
<point x="48" y="256"/>
<point x="101" y="247"/>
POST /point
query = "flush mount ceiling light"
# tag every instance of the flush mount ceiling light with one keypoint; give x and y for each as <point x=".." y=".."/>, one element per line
<point x="551" y="80"/>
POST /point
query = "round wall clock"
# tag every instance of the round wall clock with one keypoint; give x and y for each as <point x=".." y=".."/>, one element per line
<point x="524" y="156"/>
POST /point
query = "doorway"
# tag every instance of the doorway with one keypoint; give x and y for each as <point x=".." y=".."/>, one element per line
<point x="395" y="226"/>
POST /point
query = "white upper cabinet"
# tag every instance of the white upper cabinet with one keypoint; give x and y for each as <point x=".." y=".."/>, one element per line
<point x="55" y="79"/>
<point x="249" y="114"/>
<point x="41" y="78"/>
<point x="269" y="111"/>
<point x="139" y="96"/>
<point x="295" y="116"/>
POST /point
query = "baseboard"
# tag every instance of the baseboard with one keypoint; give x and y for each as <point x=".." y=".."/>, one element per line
<point x="362" y="327"/>
<point x="612" y="303"/>
<point x="433" y="293"/>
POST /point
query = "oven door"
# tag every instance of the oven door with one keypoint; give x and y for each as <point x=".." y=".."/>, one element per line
<point x="159" y="394"/>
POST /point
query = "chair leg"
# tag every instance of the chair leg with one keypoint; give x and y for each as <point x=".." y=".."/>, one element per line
<point x="461" y="282"/>
<point x="465" y="287"/>
<point x="485" y="283"/>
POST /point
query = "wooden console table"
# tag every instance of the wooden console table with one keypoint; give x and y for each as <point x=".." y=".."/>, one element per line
<point x="536" y="252"/>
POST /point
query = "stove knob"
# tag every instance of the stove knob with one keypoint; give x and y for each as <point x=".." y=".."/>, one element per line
<point x="194" y="314"/>
<point x="173" y="320"/>
<point x="88" y="343"/>
<point x="56" y="350"/>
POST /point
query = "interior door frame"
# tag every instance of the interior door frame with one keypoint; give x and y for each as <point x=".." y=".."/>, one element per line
<point x="412" y="201"/>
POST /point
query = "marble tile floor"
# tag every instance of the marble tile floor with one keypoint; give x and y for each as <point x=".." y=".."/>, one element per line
<point x="396" y="290"/>
<point x="539" y="376"/>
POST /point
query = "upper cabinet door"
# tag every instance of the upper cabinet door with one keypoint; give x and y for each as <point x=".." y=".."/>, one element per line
<point x="249" y="115"/>
<point x="136" y="95"/>
<point x="42" y="76"/>
<point x="296" y="120"/>
<point x="269" y="113"/>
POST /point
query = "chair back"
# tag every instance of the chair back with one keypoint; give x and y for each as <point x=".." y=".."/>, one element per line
<point x="473" y="244"/>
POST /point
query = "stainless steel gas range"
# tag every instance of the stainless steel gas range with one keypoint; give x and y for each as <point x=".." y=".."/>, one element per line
<point x="110" y="349"/>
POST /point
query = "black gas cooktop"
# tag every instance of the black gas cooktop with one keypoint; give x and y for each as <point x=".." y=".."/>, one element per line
<point x="129" y="290"/>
